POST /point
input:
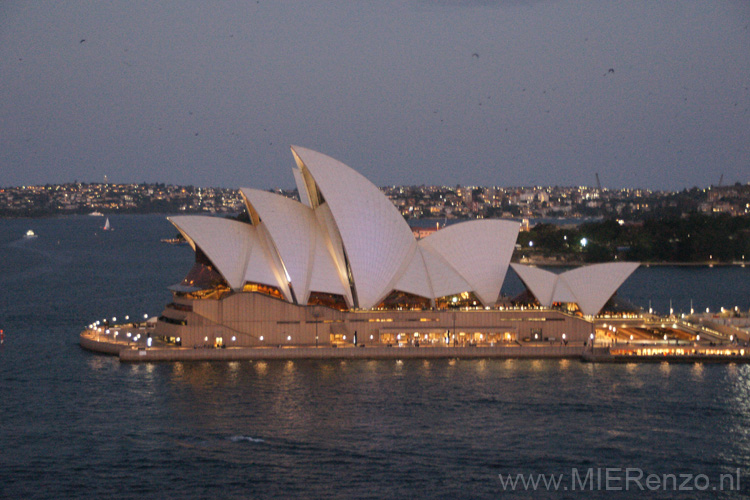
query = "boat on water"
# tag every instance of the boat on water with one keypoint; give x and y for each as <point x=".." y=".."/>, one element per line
<point x="174" y="241"/>
<point x="107" y="227"/>
<point x="30" y="234"/>
<point x="97" y="214"/>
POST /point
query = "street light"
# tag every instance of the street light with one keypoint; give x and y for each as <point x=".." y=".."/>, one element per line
<point x="316" y="315"/>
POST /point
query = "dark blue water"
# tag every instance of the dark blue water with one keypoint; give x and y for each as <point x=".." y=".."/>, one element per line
<point x="79" y="425"/>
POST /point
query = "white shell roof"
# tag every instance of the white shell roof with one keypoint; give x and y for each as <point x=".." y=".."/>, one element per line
<point x="301" y="189"/>
<point x="335" y="249"/>
<point x="300" y="242"/>
<point x="539" y="281"/>
<point x="444" y="278"/>
<point x="238" y="250"/>
<point x="292" y="228"/>
<point x="376" y="238"/>
<point x="264" y="265"/>
<point x="479" y="251"/>
<point x="227" y="243"/>
<point x="588" y="286"/>
<point x="594" y="285"/>
<point x="324" y="274"/>
<point x="414" y="278"/>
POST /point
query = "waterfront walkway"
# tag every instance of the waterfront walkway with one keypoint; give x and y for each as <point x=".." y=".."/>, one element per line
<point x="138" y="352"/>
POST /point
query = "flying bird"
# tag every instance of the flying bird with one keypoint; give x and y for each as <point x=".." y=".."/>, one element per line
<point x="475" y="55"/>
<point x="82" y="40"/>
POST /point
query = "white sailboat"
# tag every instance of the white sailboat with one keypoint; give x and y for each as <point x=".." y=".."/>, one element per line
<point x="107" y="226"/>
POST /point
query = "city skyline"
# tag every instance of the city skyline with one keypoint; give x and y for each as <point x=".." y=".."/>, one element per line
<point x="449" y="202"/>
<point x="476" y="93"/>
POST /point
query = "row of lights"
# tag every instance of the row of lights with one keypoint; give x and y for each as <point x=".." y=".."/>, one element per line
<point x="100" y="329"/>
<point x="114" y="318"/>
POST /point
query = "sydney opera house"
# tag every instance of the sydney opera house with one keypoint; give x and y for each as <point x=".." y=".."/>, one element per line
<point x="341" y="267"/>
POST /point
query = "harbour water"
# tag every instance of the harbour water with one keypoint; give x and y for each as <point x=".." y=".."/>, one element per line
<point x="76" y="424"/>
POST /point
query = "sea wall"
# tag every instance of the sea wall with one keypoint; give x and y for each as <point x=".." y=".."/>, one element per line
<point x="236" y="354"/>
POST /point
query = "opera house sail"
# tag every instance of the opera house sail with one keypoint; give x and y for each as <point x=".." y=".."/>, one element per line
<point x="341" y="266"/>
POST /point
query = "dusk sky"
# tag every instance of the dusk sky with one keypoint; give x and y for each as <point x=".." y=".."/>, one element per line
<point x="652" y="94"/>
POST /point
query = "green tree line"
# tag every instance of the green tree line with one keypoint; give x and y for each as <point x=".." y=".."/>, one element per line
<point x="693" y="238"/>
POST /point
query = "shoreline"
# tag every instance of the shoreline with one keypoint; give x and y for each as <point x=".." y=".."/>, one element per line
<point x="140" y="353"/>
<point x="129" y="353"/>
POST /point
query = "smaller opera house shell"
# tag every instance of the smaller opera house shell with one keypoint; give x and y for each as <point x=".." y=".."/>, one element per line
<point x="342" y="267"/>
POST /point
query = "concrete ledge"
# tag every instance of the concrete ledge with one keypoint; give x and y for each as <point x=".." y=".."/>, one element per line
<point x="236" y="354"/>
<point x="669" y="358"/>
<point x="91" y="344"/>
<point x="135" y="354"/>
